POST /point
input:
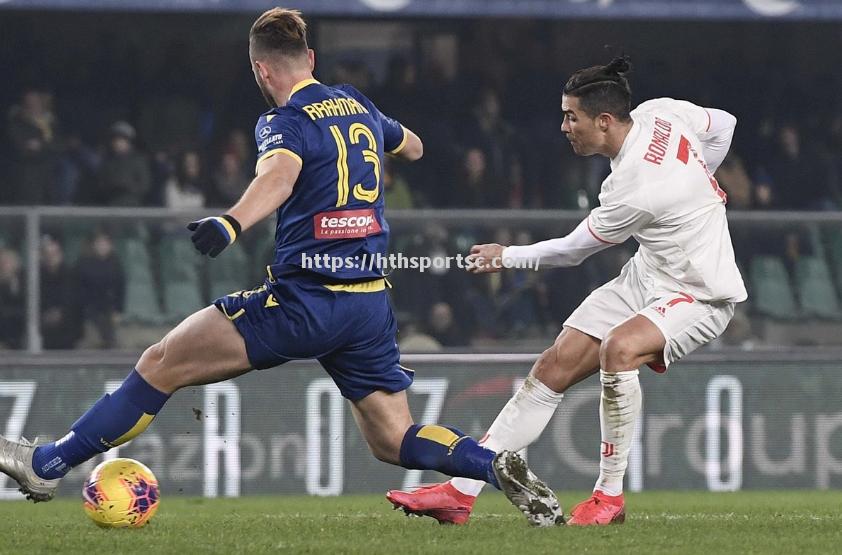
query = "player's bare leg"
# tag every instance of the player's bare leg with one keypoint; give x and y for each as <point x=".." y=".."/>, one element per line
<point x="383" y="418"/>
<point x="629" y="345"/>
<point x="204" y="348"/>
<point x="573" y="357"/>
<point x="386" y="423"/>
<point x="635" y="342"/>
<point x="377" y="412"/>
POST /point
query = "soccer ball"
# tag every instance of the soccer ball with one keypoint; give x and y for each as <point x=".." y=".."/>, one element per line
<point x="121" y="493"/>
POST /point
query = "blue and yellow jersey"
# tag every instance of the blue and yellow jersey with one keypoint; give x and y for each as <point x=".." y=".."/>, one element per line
<point x="336" y="208"/>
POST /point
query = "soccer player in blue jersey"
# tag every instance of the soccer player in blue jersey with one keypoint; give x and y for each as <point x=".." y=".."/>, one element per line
<point x="319" y="168"/>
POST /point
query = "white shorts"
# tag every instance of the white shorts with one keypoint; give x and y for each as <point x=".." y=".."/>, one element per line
<point x="685" y="322"/>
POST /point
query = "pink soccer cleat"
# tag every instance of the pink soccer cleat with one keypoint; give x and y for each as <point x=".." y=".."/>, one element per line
<point x="442" y="502"/>
<point x="599" y="510"/>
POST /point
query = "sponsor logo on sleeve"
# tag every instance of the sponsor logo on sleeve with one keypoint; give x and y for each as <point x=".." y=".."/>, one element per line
<point x="270" y="141"/>
<point x="346" y="224"/>
<point x="264" y="131"/>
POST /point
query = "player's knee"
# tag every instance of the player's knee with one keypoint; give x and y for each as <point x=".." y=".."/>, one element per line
<point x="158" y="369"/>
<point x="617" y="353"/>
<point x="152" y="360"/>
<point x="551" y="370"/>
<point x="547" y="364"/>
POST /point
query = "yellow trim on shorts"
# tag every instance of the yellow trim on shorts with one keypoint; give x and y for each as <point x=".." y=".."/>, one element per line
<point x="364" y="287"/>
<point x="275" y="151"/>
<point x="234" y="316"/>
<point x="405" y="369"/>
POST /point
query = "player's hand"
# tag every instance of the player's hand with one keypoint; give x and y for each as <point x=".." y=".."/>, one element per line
<point x="212" y="235"/>
<point x="485" y="259"/>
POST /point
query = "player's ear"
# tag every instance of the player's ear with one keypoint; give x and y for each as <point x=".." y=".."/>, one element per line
<point x="262" y="69"/>
<point x="311" y="58"/>
<point x="603" y="120"/>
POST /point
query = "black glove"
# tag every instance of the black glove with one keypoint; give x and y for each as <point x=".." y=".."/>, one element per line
<point x="212" y="235"/>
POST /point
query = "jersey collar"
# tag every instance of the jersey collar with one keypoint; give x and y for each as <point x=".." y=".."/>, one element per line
<point x="630" y="139"/>
<point x="301" y="84"/>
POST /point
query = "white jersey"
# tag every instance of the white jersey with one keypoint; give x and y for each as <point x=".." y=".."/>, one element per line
<point x="661" y="193"/>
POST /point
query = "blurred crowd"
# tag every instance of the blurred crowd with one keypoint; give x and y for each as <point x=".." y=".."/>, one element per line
<point x="478" y="158"/>
<point x="492" y="141"/>
<point x="79" y="302"/>
<point x="178" y="135"/>
<point x="50" y="165"/>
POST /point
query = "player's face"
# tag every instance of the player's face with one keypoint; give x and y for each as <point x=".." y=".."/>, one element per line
<point x="581" y="130"/>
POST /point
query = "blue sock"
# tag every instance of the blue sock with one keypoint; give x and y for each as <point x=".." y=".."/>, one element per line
<point x="113" y="420"/>
<point x="447" y="450"/>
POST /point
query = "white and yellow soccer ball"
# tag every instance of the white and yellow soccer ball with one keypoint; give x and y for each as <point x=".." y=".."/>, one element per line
<point x="121" y="493"/>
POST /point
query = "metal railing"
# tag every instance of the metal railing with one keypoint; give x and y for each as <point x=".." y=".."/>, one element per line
<point x="34" y="218"/>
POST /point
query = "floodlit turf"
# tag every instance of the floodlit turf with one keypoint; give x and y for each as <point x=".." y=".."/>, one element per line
<point x="798" y="522"/>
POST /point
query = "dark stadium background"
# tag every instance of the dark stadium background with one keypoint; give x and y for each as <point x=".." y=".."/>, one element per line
<point x="95" y="263"/>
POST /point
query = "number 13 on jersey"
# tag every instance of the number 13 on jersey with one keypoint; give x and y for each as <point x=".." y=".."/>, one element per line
<point x="356" y="133"/>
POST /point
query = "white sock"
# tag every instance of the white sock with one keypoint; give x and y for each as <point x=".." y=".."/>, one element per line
<point x="519" y="423"/>
<point x="619" y="407"/>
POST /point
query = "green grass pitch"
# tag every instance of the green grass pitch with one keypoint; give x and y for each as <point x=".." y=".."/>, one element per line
<point x="797" y="522"/>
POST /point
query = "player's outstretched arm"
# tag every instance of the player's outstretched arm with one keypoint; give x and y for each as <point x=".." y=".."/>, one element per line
<point x="570" y="250"/>
<point x="276" y="175"/>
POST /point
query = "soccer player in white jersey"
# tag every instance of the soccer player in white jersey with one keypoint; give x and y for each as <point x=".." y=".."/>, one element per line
<point x="676" y="293"/>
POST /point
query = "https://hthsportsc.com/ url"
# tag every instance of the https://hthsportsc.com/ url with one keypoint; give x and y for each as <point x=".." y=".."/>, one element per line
<point x="399" y="261"/>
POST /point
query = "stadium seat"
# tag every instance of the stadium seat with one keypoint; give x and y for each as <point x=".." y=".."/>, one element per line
<point x="834" y="251"/>
<point x="142" y="303"/>
<point x="75" y="233"/>
<point x="748" y="304"/>
<point x="815" y="288"/>
<point x="770" y="285"/>
<point x="229" y="272"/>
<point x="180" y="284"/>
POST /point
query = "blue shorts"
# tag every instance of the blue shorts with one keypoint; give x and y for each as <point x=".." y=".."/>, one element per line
<point x="349" y="328"/>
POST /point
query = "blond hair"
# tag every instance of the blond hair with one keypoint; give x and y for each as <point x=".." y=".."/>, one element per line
<point x="278" y="31"/>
